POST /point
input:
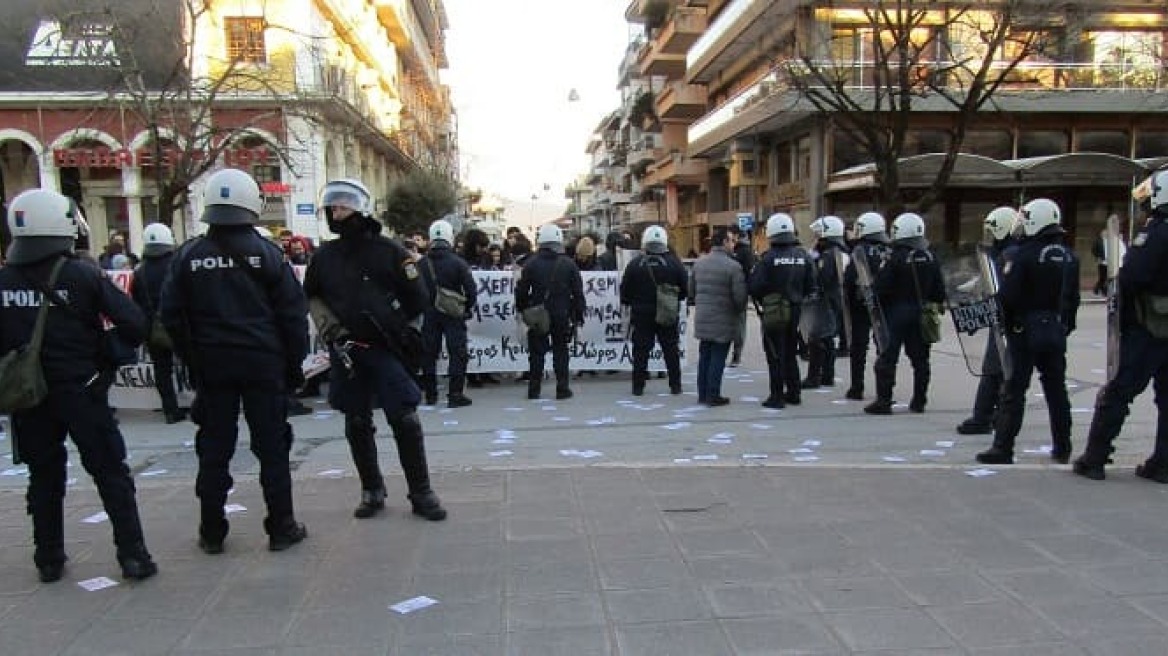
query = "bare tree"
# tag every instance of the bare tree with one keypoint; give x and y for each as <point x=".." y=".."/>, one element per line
<point x="910" y="56"/>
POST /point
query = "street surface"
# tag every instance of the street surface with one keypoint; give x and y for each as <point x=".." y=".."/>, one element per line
<point x="613" y="524"/>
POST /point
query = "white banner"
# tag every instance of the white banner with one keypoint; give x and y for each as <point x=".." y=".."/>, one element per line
<point x="496" y="339"/>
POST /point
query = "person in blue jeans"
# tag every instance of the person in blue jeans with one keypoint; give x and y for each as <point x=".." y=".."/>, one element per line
<point x="718" y="288"/>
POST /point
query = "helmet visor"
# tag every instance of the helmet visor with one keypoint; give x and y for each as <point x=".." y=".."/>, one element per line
<point x="338" y="195"/>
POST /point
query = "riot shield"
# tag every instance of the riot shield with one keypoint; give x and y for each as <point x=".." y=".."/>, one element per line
<point x="1113" y="251"/>
<point x="975" y="309"/>
<point x="841" y="266"/>
<point x="865" y="288"/>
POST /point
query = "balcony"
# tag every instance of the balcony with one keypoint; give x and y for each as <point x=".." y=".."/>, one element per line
<point x="400" y="22"/>
<point x="679" y="100"/>
<point x="645" y="151"/>
<point x="677" y="168"/>
<point x="682" y="30"/>
<point x="652" y="60"/>
<point x="742" y="25"/>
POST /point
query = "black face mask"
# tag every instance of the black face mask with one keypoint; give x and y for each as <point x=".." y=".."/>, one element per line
<point x="350" y="227"/>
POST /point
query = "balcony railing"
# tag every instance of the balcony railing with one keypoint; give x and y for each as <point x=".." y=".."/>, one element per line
<point x="679" y="100"/>
<point x="683" y="29"/>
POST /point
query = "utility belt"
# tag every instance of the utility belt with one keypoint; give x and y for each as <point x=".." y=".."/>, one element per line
<point x="1152" y="314"/>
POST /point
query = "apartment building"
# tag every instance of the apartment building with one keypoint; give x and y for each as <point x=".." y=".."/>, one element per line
<point x="295" y="91"/>
<point x="1078" y="121"/>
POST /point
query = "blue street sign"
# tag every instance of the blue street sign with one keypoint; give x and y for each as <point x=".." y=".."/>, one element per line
<point x="305" y="209"/>
<point x="745" y="221"/>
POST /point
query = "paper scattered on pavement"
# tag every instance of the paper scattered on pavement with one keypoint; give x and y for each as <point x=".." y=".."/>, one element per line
<point x="761" y="426"/>
<point x="499" y="454"/>
<point x="575" y="453"/>
<point x="800" y="450"/>
<point x="503" y="440"/>
<point x="96" y="518"/>
<point x="15" y="471"/>
<point x="840" y="401"/>
<point x="720" y="440"/>
<point x="754" y="456"/>
<point x="561" y="419"/>
<point x="602" y="421"/>
<point x="944" y="444"/>
<point x="980" y="472"/>
<point x="709" y="456"/>
<point x="153" y="472"/>
<point x="450" y="422"/>
<point x="513" y="409"/>
<point x="893" y="459"/>
<point x="331" y="473"/>
<point x="99" y="583"/>
<point x="932" y="452"/>
<point x="549" y="408"/>
<point x="749" y="399"/>
<point x="233" y="508"/>
<point x="677" y="425"/>
<point x="681" y="461"/>
<point x="806" y="458"/>
<point x="411" y="605"/>
<point x="812" y="443"/>
<point x="1039" y="450"/>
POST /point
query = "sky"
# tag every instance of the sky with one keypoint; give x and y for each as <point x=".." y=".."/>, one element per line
<point x="513" y="64"/>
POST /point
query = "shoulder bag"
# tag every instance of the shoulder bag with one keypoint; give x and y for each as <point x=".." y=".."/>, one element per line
<point x="447" y="301"/>
<point x="22" y="379"/>
<point x="930" y="312"/>
<point x="536" y="317"/>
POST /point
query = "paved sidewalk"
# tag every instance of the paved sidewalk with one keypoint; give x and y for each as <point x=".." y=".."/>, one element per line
<point x="625" y="560"/>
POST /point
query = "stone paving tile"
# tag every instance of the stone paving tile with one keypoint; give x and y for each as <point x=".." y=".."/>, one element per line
<point x="1124" y="646"/>
<point x="783" y="634"/>
<point x="695" y="544"/>
<point x="1129" y="579"/>
<point x="1154" y="605"/>
<point x="736" y="568"/>
<point x="642" y="544"/>
<point x="216" y="630"/>
<point x="563" y="641"/>
<point x="947" y="588"/>
<point x="642" y="573"/>
<point x="1046" y="584"/>
<point x="1002" y="623"/>
<point x="150" y="637"/>
<point x="553" y="578"/>
<point x="452" y="615"/>
<point x="671" y="639"/>
<point x="748" y="600"/>
<point x="366" y="625"/>
<point x="677" y="603"/>
<point x="855" y="593"/>
<point x="577" y="609"/>
<point x="1081" y="620"/>
<point x="446" y="644"/>
<point x="889" y="628"/>
<point x="1078" y="548"/>
<point x="1032" y="649"/>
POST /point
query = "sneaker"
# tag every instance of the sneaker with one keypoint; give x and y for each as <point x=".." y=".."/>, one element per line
<point x="427" y="505"/>
<point x="1087" y="469"/>
<point x="878" y="408"/>
<point x="718" y="401"/>
<point x="137" y="565"/>
<point x="457" y="401"/>
<point x="995" y="456"/>
<point x="290" y="534"/>
<point x="973" y="426"/>
<point x="372" y="501"/>
<point x="1152" y="472"/>
<point x="854" y="393"/>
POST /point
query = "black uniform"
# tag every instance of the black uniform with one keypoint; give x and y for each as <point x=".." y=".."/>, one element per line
<point x="1142" y="357"/>
<point x="638" y="291"/>
<point x="876" y="252"/>
<point x="374" y="288"/>
<point x="452" y="273"/>
<point x="147" y="293"/>
<point x="821" y="352"/>
<point x="552" y="279"/>
<point x="1040" y="299"/>
<point x="989" y="385"/>
<point x="76" y="405"/>
<point x="897" y="291"/>
<point x="787" y="270"/>
<point x="243" y="333"/>
<point x="745" y="257"/>
<point x="607" y="260"/>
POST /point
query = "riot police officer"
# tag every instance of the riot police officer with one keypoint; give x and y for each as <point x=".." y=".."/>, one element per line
<point x="448" y="275"/>
<point x="783" y="277"/>
<point x="1143" y="346"/>
<point x="1040" y="298"/>
<point x="147" y="292"/>
<point x="829" y="234"/>
<point x="869" y="232"/>
<point x="239" y="320"/>
<point x="999" y="226"/>
<point x="367" y="296"/>
<point x="656" y="271"/>
<point x="551" y="279"/>
<point x="41" y="268"/>
<point x="910" y="279"/>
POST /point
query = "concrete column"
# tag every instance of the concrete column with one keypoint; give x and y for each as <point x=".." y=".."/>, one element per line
<point x="132" y="191"/>
<point x="818" y="171"/>
<point x="48" y="172"/>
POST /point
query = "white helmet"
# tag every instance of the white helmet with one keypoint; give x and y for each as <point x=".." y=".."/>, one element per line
<point x="549" y="233"/>
<point x="1159" y="190"/>
<point x="655" y="240"/>
<point x="442" y="231"/>
<point x="1038" y="214"/>
<point x="349" y="193"/>
<point x="265" y="233"/>
<point x="870" y="225"/>
<point x="780" y="224"/>
<point x="231" y="197"/>
<point x="43" y="223"/>
<point x="826" y="227"/>
<point x="157" y="240"/>
<point x="1000" y="222"/>
<point x="908" y="226"/>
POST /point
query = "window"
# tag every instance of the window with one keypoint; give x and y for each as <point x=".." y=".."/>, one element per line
<point x="245" y="39"/>
<point x="1115" y="142"/>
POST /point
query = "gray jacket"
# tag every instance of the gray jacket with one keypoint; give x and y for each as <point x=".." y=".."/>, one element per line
<point x="718" y="289"/>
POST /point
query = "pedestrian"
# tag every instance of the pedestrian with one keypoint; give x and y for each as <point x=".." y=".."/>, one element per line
<point x="1143" y="342"/>
<point x="999" y="228"/>
<point x="909" y="287"/>
<point x="1040" y="299"/>
<point x="821" y="351"/>
<point x="550" y="297"/>
<point x="613" y="242"/>
<point x="367" y="296"/>
<point x="653" y="286"/>
<point x="40" y="269"/>
<point x="452" y="293"/>
<point x="779" y="283"/>
<point x="870" y="235"/>
<point x="718" y="288"/>
<point x="238" y="318"/>
<point x="146" y="291"/>
<point x="116" y="246"/>
<point x="299" y="251"/>
<point x="585" y="254"/>
<point x="1099" y="251"/>
<point x="495" y="256"/>
<point x="744" y="254"/>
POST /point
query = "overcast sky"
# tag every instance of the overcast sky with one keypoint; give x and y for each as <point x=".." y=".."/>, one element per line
<point x="512" y="66"/>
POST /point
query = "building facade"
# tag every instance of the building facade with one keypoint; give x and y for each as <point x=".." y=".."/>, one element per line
<point x="114" y="107"/>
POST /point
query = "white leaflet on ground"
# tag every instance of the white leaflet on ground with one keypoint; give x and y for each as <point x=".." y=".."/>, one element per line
<point x="980" y="472"/>
<point x="233" y="508"/>
<point x="944" y="444"/>
<point x="513" y="409"/>
<point x="96" y="518"/>
<point x="681" y="461"/>
<point x="806" y="458"/>
<point x="749" y="399"/>
<point x="561" y="419"/>
<point x="708" y="456"/>
<point x="677" y="425"/>
<point x="812" y="443"/>
<point x="499" y="454"/>
<point x="331" y="473"/>
<point x="1045" y="449"/>
<point x="800" y="450"/>
<point x="153" y="472"/>
<point x="98" y="583"/>
<point x="936" y="453"/>
<point x="754" y="456"/>
<point x="15" y="471"/>
<point x="894" y="459"/>
<point x="761" y="426"/>
<point x="411" y="605"/>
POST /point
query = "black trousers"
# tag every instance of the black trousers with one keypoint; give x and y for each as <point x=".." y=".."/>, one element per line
<point x="1142" y="359"/>
<point x="556" y="341"/>
<point x="163" y="362"/>
<point x="1052" y="374"/>
<point x="904" y="329"/>
<point x="439" y="327"/>
<point x="82" y="413"/>
<point x="782" y="360"/>
<point x="858" y="348"/>
<point x="646" y="332"/>
<point x="216" y="412"/>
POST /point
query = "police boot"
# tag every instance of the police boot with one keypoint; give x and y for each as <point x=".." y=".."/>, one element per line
<point x="284" y="532"/>
<point x="455" y="398"/>
<point x="430" y="389"/>
<point x="213" y="528"/>
<point x="883" y="403"/>
<point x="920" y="394"/>
<point x="411" y="451"/>
<point x="361" y="435"/>
<point x="562" y="389"/>
<point x="827" y="377"/>
<point x="814" y="368"/>
<point x="856" y="391"/>
<point x="1001" y="453"/>
<point x="48" y="535"/>
<point x="533" y="387"/>
<point x="1097" y="455"/>
<point x="136" y="562"/>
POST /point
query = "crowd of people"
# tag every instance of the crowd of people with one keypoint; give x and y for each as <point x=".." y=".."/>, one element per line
<point x="229" y="306"/>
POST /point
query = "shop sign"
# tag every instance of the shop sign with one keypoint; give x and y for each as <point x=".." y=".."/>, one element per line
<point x="109" y="158"/>
<point x="276" y="188"/>
<point x="305" y="209"/>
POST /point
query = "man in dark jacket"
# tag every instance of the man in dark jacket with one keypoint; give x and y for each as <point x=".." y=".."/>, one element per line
<point x="1040" y="299"/>
<point x="646" y="277"/>
<point x="147" y="293"/>
<point x="832" y="253"/>
<point x="446" y="274"/>
<point x="367" y="297"/>
<point x="744" y="255"/>
<point x="550" y="279"/>
<point x="779" y="283"/>
<point x="612" y="243"/>
<point x="871" y="237"/>
<point x="41" y="269"/>
<point x="239" y="320"/>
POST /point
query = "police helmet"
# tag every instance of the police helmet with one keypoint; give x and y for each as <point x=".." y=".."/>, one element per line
<point x="442" y="231"/>
<point x="157" y="240"/>
<point x="908" y="226"/>
<point x="871" y="226"/>
<point x="265" y="233"/>
<point x="827" y="227"/>
<point x="347" y="193"/>
<point x="549" y="235"/>
<point x="655" y="240"/>
<point x="231" y="197"/>
<point x="999" y="223"/>
<point x="1157" y="190"/>
<point x="780" y="224"/>
<point x="1038" y="214"/>
<point x="42" y="222"/>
